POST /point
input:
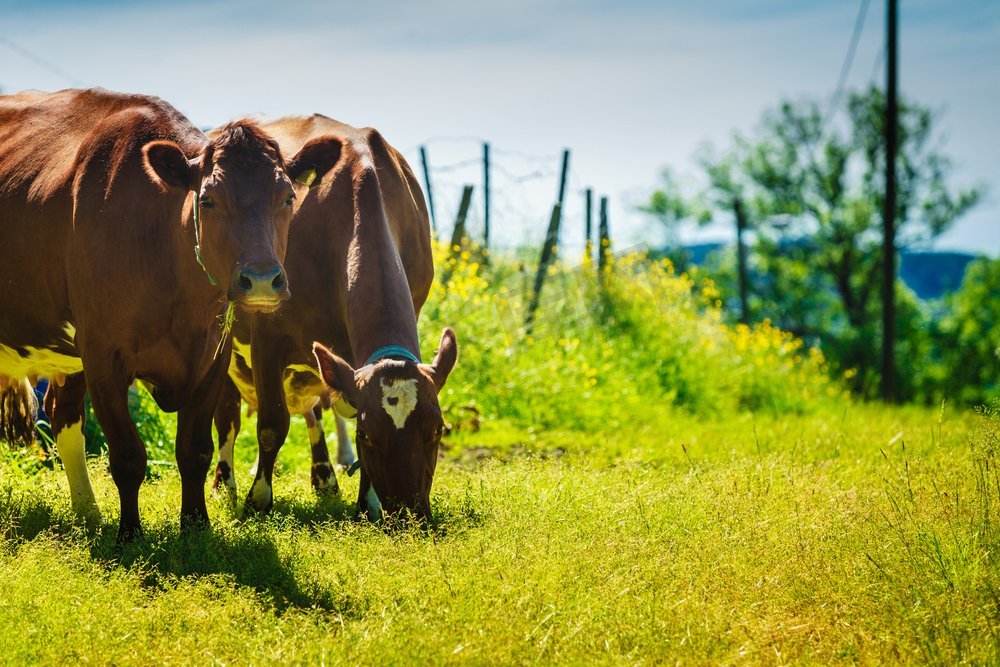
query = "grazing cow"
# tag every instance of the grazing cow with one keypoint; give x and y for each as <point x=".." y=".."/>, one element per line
<point x="360" y="253"/>
<point x="105" y="189"/>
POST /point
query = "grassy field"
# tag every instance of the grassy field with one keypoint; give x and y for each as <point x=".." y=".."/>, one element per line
<point x="865" y="535"/>
<point x="633" y="480"/>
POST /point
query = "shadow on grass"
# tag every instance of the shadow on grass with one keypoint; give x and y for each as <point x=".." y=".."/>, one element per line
<point x="260" y="553"/>
<point x="255" y="553"/>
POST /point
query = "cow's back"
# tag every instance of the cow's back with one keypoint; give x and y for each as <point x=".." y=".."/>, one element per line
<point x="332" y="217"/>
<point x="68" y="162"/>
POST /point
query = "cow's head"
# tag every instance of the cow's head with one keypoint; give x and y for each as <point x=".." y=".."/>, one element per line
<point x="245" y="192"/>
<point x="399" y="421"/>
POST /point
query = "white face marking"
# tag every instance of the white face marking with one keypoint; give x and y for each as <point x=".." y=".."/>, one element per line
<point x="399" y="398"/>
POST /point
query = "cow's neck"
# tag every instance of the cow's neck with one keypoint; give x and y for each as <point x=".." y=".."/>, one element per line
<point x="379" y="305"/>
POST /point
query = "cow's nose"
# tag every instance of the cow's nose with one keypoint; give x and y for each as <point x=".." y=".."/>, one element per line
<point x="261" y="282"/>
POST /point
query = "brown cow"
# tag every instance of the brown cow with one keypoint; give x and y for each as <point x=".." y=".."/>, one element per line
<point x="100" y="188"/>
<point x="360" y="255"/>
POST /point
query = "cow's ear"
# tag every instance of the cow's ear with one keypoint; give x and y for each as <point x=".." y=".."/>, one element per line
<point x="444" y="360"/>
<point x="314" y="160"/>
<point x="167" y="166"/>
<point x="337" y="373"/>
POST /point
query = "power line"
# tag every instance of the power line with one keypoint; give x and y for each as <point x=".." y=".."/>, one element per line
<point x="877" y="67"/>
<point x="455" y="166"/>
<point x="41" y="62"/>
<point x="845" y="68"/>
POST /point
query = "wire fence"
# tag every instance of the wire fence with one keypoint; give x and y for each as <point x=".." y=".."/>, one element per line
<point x="522" y="187"/>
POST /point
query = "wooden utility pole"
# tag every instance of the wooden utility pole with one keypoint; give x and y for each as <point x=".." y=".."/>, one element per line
<point x="741" y="259"/>
<point x="486" y="195"/>
<point x="888" y="386"/>
<point x="427" y="184"/>
<point x="588" y="245"/>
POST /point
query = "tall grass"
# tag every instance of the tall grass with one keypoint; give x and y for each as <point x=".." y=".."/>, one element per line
<point x="630" y="481"/>
<point x="647" y="343"/>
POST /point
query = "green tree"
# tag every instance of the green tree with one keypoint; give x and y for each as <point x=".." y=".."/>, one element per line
<point x="968" y="337"/>
<point x="813" y="190"/>
<point x="670" y="207"/>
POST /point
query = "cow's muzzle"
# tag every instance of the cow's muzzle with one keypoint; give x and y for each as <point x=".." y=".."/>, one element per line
<point x="261" y="286"/>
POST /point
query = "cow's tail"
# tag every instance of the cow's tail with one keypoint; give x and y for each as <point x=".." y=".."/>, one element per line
<point x="18" y="409"/>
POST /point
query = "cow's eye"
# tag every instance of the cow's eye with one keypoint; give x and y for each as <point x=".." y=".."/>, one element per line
<point x="362" y="437"/>
<point x="439" y="431"/>
<point x="290" y="200"/>
<point x="207" y="202"/>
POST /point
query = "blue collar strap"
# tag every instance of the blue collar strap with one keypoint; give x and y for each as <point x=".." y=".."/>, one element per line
<point x="392" y="351"/>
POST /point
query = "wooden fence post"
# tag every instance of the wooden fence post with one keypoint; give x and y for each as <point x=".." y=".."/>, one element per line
<point x="486" y="195"/>
<point x="457" y="234"/>
<point x="549" y="252"/>
<point x="562" y="177"/>
<point x="588" y="244"/>
<point x="427" y="183"/>
<point x="605" y="233"/>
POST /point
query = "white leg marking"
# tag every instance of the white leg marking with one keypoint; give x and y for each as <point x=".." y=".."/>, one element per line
<point x="71" y="447"/>
<point x="314" y="428"/>
<point x="345" y="453"/>
<point x="260" y="494"/>
<point x="256" y="464"/>
<point x="226" y="453"/>
<point x="316" y="437"/>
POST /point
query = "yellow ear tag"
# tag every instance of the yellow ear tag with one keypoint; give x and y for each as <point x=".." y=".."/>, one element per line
<point x="307" y="177"/>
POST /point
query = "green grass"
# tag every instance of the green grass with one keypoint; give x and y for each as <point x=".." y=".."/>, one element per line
<point x="810" y="538"/>
<point x="632" y="480"/>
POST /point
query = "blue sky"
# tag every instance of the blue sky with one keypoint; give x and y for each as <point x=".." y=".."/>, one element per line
<point x="630" y="86"/>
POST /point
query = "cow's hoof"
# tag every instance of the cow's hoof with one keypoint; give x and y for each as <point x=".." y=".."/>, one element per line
<point x="324" y="481"/>
<point x="260" y="499"/>
<point x="194" y="522"/>
<point x="225" y="481"/>
<point x="89" y="515"/>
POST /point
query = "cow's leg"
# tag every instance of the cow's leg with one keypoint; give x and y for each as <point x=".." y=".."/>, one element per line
<point x="227" y="426"/>
<point x="323" y="479"/>
<point x="127" y="454"/>
<point x="194" y="441"/>
<point x="65" y="407"/>
<point x="345" y="453"/>
<point x="272" y="427"/>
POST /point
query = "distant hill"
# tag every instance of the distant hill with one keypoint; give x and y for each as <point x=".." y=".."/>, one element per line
<point x="930" y="275"/>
